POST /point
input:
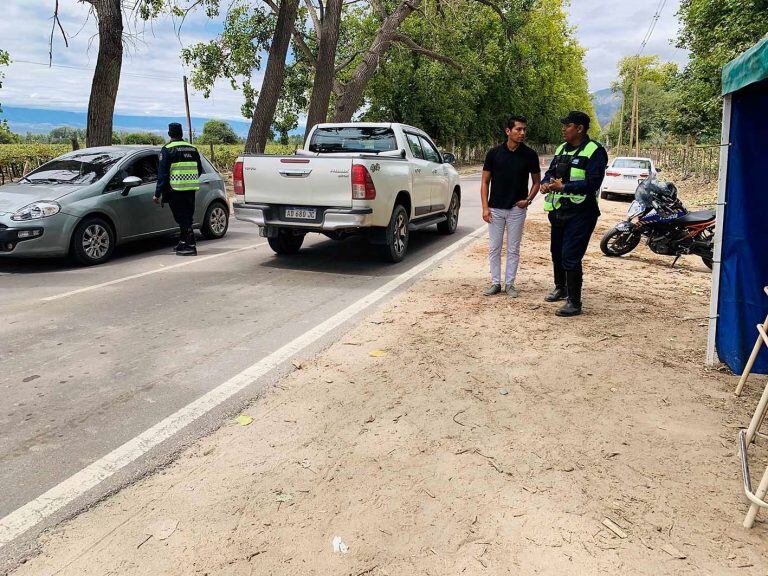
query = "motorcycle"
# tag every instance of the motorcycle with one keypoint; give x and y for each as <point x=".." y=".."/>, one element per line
<point x="671" y="230"/>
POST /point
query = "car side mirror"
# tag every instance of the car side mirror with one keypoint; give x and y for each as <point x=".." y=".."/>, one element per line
<point x="130" y="182"/>
<point x="448" y="158"/>
<point x="402" y="153"/>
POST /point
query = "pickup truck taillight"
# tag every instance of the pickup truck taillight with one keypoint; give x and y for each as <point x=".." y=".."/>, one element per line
<point x="362" y="183"/>
<point x="237" y="179"/>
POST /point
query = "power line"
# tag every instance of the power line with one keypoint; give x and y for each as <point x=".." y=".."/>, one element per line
<point x="68" y="67"/>
<point x="654" y="21"/>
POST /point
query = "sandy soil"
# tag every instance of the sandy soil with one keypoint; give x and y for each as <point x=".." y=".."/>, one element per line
<point x="492" y="438"/>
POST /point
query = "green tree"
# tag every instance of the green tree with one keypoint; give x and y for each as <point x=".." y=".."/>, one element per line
<point x="218" y="132"/>
<point x="533" y="66"/>
<point x="715" y="32"/>
<point x="6" y="136"/>
<point x="142" y="138"/>
<point x="656" y="98"/>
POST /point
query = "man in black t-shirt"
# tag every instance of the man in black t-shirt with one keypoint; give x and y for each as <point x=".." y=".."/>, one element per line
<point x="505" y="198"/>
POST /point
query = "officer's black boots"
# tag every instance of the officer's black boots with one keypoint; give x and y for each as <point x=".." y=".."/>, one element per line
<point x="572" y="306"/>
<point x="560" y="292"/>
<point x="187" y="246"/>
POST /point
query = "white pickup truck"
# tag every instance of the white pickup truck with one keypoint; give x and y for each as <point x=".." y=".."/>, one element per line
<point x="378" y="180"/>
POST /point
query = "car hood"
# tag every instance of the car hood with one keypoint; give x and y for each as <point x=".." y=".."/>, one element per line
<point x="18" y="195"/>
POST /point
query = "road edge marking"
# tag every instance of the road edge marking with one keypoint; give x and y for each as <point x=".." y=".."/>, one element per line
<point x="37" y="510"/>
<point x="147" y="273"/>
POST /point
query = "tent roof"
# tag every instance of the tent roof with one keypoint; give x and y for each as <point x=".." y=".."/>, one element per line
<point x="749" y="67"/>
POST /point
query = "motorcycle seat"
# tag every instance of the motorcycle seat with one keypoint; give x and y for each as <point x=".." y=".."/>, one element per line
<point x="698" y="217"/>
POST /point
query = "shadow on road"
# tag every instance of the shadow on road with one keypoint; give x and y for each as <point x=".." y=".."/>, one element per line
<point x="123" y="253"/>
<point x="356" y="257"/>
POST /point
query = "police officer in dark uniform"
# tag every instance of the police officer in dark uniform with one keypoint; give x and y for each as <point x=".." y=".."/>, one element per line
<point x="571" y="185"/>
<point x="178" y="179"/>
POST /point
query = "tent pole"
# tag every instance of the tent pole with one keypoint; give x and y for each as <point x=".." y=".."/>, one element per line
<point x="725" y="140"/>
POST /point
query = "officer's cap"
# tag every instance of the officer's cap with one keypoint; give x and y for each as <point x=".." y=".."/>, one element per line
<point x="576" y="117"/>
<point x="175" y="130"/>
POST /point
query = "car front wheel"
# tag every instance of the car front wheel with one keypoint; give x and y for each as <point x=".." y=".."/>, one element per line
<point x="93" y="242"/>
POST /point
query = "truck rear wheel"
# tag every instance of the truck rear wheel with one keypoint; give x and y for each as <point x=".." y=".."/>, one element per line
<point x="286" y="243"/>
<point x="396" y="236"/>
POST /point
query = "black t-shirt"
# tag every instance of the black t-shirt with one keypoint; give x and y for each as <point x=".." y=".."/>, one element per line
<point x="509" y="174"/>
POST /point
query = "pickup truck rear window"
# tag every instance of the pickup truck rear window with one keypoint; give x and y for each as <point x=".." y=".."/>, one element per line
<point x="353" y="139"/>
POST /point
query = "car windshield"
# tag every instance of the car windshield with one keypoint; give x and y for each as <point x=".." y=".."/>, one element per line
<point x="76" y="168"/>
<point x="353" y="139"/>
<point x="632" y="163"/>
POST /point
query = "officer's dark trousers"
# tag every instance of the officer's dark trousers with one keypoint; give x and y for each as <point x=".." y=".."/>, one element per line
<point x="571" y="231"/>
<point x="183" y="208"/>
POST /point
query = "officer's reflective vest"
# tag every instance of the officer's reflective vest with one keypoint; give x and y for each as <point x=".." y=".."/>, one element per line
<point x="574" y="163"/>
<point x="184" y="175"/>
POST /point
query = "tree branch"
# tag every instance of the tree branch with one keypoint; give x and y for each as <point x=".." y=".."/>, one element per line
<point x="298" y="40"/>
<point x="378" y="5"/>
<point x="410" y="43"/>
<point x="349" y="61"/>
<point x="315" y="18"/>
<point x="53" y="30"/>
<point x="495" y="8"/>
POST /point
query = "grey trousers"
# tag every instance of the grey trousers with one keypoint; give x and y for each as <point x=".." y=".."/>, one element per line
<point x="512" y="221"/>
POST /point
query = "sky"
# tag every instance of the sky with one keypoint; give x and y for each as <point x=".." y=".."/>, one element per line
<point x="151" y="82"/>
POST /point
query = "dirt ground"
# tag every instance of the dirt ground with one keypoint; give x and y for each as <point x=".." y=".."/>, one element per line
<point x="490" y="438"/>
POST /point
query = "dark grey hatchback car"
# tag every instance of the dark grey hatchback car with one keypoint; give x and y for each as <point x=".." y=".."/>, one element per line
<point x="86" y="202"/>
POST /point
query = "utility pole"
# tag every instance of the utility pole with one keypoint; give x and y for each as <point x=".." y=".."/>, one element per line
<point x="189" y="118"/>
<point x="634" y="127"/>
<point x="621" y="121"/>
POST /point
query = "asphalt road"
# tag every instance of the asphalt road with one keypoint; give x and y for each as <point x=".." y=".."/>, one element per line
<point x="92" y="357"/>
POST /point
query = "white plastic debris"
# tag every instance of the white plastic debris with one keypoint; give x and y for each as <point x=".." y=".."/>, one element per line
<point x="339" y="546"/>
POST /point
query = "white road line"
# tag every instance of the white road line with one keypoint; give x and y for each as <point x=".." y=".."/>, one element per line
<point x="192" y="260"/>
<point x="24" y="518"/>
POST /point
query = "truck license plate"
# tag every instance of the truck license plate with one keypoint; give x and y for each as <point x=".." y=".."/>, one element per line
<point x="301" y="213"/>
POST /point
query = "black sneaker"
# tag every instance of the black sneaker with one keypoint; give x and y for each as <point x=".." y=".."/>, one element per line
<point x="556" y="295"/>
<point x="187" y="250"/>
<point x="569" y="309"/>
<point x="492" y="290"/>
<point x="179" y="246"/>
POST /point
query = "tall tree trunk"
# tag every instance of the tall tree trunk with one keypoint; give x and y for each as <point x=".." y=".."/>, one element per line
<point x="350" y="98"/>
<point x="106" y="77"/>
<point x="324" y="69"/>
<point x="274" y="76"/>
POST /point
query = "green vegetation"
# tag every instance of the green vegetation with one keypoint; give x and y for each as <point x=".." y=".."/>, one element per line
<point x="218" y="132"/>
<point x="656" y="98"/>
<point x="6" y="136"/>
<point x="716" y="32"/>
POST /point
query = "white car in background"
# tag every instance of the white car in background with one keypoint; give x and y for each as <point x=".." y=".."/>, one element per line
<point x="624" y="174"/>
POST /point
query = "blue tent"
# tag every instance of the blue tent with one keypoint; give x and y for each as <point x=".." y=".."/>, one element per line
<point x="741" y="238"/>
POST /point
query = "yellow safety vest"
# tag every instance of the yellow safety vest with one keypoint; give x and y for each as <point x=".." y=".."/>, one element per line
<point x="184" y="175"/>
<point x="576" y="173"/>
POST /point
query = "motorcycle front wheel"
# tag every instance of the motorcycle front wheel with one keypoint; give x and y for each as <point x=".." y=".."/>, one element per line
<point x="618" y="242"/>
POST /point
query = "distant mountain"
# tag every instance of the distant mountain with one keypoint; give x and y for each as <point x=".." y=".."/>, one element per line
<point x="607" y="104"/>
<point x="42" y="121"/>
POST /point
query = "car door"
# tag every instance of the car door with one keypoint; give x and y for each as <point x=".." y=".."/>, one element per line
<point x="206" y="193"/>
<point x="420" y="176"/>
<point x="438" y="176"/>
<point x="136" y="213"/>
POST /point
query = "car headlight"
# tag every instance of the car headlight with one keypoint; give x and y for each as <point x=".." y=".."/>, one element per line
<point x="37" y="210"/>
<point x="635" y="209"/>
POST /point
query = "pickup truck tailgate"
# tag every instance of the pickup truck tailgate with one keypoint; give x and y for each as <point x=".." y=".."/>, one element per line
<point x="296" y="181"/>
